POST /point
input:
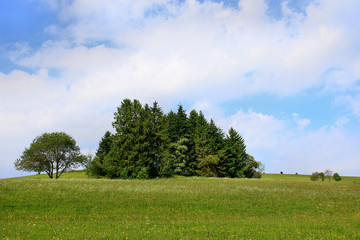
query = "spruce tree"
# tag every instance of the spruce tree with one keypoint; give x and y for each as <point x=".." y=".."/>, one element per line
<point x="235" y="153"/>
<point x="96" y="167"/>
<point x="193" y="119"/>
<point x="104" y="146"/>
<point x="129" y="156"/>
<point x="156" y="136"/>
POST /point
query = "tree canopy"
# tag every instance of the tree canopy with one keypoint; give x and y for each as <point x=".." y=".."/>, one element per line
<point x="53" y="153"/>
<point x="147" y="143"/>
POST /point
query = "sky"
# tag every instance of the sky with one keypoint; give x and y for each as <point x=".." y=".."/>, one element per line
<point x="284" y="74"/>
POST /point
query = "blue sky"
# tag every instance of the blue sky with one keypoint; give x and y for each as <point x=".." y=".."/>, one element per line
<point x="285" y="74"/>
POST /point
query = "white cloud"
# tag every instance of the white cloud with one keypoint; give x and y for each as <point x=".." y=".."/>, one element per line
<point x="301" y="122"/>
<point x="193" y="45"/>
<point x="279" y="146"/>
<point x="105" y="51"/>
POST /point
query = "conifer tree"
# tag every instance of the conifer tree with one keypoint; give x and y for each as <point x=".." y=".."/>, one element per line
<point x="156" y="136"/>
<point x="182" y="123"/>
<point x="96" y="166"/>
<point x="171" y="127"/>
<point x="104" y="146"/>
<point x="193" y="119"/>
<point x="129" y="157"/>
<point x="206" y="157"/>
<point x="235" y="151"/>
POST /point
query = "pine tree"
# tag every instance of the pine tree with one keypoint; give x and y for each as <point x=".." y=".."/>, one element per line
<point x="104" y="146"/>
<point x="182" y="124"/>
<point x="171" y="127"/>
<point x="129" y="156"/>
<point x="156" y="136"/>
<point x="96" y="166"/>
<point x="235" y="153"/>
<point x="193" y="119"/>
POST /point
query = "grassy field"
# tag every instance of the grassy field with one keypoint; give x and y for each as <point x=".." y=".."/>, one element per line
<point x="274" y="207"/>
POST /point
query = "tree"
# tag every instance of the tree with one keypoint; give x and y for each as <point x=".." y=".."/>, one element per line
<point x="328" y="174"/>
<point x="104" y="146"/>
<point x="179" y="157"/>
<point x="129" y="156"/>
<point x="95" y="167"/>
<point x="337" y="177"/>
<point x="315" y="176"/>
<point x="236" y="156"/>
<point x="51" y="153"/>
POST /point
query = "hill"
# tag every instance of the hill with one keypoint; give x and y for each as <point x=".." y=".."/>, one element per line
<point x="275" y="207"/>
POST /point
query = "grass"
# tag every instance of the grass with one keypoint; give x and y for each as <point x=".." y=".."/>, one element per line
<point x="275" y="207"/>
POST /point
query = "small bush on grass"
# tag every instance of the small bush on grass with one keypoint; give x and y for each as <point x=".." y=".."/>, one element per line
<point x="315" y="176"/>
<point x="337" y="177"/>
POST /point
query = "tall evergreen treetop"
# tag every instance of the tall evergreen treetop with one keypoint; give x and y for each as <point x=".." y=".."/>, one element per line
<point x="104" y="146"/>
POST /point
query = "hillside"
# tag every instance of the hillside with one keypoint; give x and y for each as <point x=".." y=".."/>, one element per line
<point x="274" y="207"/>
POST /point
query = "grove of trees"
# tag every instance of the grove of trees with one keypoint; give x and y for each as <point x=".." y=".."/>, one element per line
<point x="148" y="143"/>
<point x="328" y="174"/>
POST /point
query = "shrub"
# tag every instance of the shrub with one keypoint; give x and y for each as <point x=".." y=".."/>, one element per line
<point x="315" y="176"/>
<point x="337" y="177"/>
<point x="328" y="174"/>
<point x="322" y="176"/>
<point x="281" y="172"/>
<point x="257" y="174"/>
<point x="143" y="173"/>
<point x="95" y="168"/>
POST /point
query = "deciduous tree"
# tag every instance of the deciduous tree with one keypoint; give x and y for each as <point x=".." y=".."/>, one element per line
<point x="53" y="153"/>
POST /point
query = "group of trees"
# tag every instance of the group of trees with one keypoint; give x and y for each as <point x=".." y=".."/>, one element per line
<point x="148" y="143"/>
<point x="327" y="174"/>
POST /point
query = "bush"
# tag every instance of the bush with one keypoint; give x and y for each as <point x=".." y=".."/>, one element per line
<point x="322" y="176"/>
<point x="328" y="174"/>
<point x="315" y="176"/>
<point x="281" y="172"/>
<point x="257" y="174"/>
<point x="337" y="177"/>
<point x="94" y="168"/>
<point x="143" y="173"/>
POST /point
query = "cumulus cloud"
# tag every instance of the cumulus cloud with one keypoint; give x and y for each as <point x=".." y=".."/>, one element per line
<point x="206" y="44"/>
<point x="171" y="51"/>
<point x="281" y="148"/>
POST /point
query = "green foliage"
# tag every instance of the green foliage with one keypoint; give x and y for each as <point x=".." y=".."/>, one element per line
<point x="149" y="144"/>
<point x="237" y="162"/>
<point x="208" y="166"/>
<point x="53" y="153"/>
<point x="104" y="146"/>
<point x="179" y="154"/>
<point x="337" y="177"/>
<point x="95" y="168"/>
<point x="322" y="176"/>
<point x="328" y="174"/>
<point x="315" y="176"/>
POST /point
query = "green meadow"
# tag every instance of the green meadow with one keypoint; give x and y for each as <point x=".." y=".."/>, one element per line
<point x="274" y="207"/>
